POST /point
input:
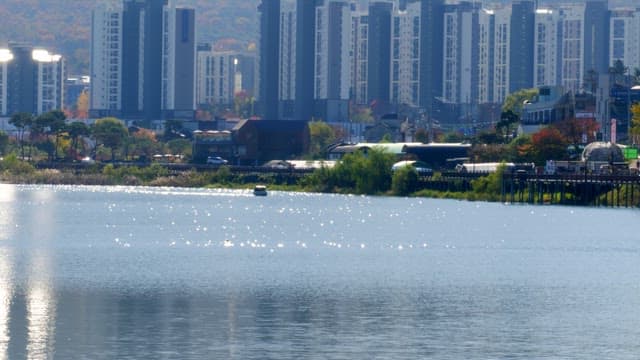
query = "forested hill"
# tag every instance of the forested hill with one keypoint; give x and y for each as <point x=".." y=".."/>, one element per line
<point x="64" y="26"/>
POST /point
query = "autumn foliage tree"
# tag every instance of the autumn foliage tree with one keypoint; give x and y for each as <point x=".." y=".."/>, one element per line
<point x="549" y="143"/>
<point x="578" y="130"/>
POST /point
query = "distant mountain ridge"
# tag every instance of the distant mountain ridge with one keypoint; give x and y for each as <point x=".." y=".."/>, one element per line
<point x="64" y="26"/>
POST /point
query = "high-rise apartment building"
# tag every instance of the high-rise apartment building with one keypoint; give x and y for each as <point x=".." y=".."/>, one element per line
<point x="584" y="41"/>
<point x="506" y="50"/>
<point x="178" y="63"/>
<point x="5" y="57"/>
<point x="332" y="80"/>
<point x="486" y="35"/>
<point x="573" y="46"/>
<point x="305" y="44"/>
<point x="31" y="80"/>
<point x="625" y="37"/>
<point x="405" y="55"/>
<point x="106" y="60"/>
<point x="143" y="61"/>
<point x="502" y="54"/>
<point x="378" y="54"/>
<point x="547" y="48"/>
<point x="221" y="75"/>
<point x="287" y="69"/>
<point x="522" y="45"/>
<point x="359" y="65"/>
<point x="460" y="53"/>
<point x="142" y="41"/>
<point x="269" y="58"/>
<point x="431" y="38"/>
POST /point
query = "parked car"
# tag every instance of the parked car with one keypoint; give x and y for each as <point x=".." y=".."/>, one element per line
<point x="421" y="168"/>
<point x="216" y="160"/>
<point x="87" y="160"/>
<point x="278" y="164"/>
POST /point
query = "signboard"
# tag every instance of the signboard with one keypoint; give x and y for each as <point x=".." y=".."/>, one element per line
<point x="630" y="153"/>
<point x="585" y="115"/>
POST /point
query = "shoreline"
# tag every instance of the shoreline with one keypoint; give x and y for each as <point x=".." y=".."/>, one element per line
<point x="489" y="189"/>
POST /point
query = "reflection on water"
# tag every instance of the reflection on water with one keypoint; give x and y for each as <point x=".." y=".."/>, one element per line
<point x="41" y="312"/>
<point x="130" y="273"/>
<point x="6" y="294"/>
<point x="7" y="227"/>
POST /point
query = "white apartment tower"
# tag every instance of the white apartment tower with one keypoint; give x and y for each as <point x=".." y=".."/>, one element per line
<point x="625" y="37"/>
<point x="359" y="63"/>
<point x="573" y="47"/>
<point x="485" y="56"/>
<point x="106" y="59"/>
<point x="333" y="50"/>
<point x="502" y="55"/>
<point x="215" y="84"/>
<point x="494" y="32"/>
<point x="546" y="47"/>
<point x="460" y="54"/>
<point x="31" y="80"/>
<point x="5" y="57"/>
<point x="49" y="81"/>
<point x="405" y="55"/>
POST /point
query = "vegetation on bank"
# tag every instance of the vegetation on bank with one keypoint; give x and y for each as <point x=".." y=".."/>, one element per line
<point x="356" y="174"/>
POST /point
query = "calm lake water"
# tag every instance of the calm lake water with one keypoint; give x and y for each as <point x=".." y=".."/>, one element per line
<point x="161" y="273"/>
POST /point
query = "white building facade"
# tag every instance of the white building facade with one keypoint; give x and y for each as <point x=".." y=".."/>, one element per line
<point x="573" y="49"/>
<point x="624" y="36"/>
<point x="502" y="55"/>
<point x="333" y="50"/>
<point x="547" y="49"/>
<point x="485" y="56"/>
<point x="32" y="83"/>
<point x="360" y="51"/>
<point x="106" y="59"/>
<point x="50" y="71"/>
<point x="5" y="57"/>
<point x="405" y="55"/>
<point x="460" y="64"/>
<point x="215" y="78"/>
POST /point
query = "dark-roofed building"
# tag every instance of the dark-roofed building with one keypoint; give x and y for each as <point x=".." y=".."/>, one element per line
<point x="259" y="141"/>
<point x="253" y="142"/>
<point x="437" y="154"/>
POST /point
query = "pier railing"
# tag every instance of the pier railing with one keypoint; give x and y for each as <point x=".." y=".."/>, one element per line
<point x="584" y="189"/>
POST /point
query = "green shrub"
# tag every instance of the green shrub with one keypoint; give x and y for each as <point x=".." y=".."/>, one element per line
<point x="490" y="185"/>
<point x="404" y="181"/>
<point x="355" y="173"/>
<point x="15" y="166"/>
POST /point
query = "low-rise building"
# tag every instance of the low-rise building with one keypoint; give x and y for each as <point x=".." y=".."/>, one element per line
<point x="552" y="104"/>
<point x="253" y="142"/>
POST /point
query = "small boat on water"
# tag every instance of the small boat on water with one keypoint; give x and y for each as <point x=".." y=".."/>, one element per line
<point x="260" y="190"/>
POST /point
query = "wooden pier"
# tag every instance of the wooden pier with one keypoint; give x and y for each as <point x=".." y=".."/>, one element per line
<point x="586" y="190"/>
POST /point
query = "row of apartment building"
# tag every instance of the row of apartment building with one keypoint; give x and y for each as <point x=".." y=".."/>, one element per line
<point x="424" y="53"/>
<point x="145" y="65"/>
<point x="31" y="80"/>
<point x="318" y="56"/>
